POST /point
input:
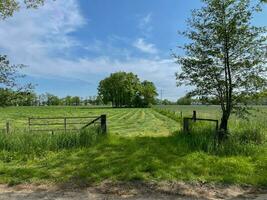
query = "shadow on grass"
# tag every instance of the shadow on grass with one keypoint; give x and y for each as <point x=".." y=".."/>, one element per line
<point x="137" y="158"/>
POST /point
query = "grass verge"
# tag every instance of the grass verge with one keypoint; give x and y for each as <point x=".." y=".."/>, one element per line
<point x="116" y="158"/>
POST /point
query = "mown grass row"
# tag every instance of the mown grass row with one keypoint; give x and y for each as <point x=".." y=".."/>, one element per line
<point x="124" y="121"/>
<point x="178" y="117"/>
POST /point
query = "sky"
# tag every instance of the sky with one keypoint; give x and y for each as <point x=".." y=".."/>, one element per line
<point x="68" y="46"/>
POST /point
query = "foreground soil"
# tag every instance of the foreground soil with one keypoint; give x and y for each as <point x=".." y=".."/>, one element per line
<point x="133" y="190"/>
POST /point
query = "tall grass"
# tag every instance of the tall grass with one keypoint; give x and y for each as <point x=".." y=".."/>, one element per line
<point x="246" y="137"/>
<point x="204" y="140"/>
<point x="37" y="143"/>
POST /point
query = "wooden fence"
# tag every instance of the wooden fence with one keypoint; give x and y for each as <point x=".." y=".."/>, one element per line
<point x="52" y="124"/>
<point x="194" y="118"/>
<point x="65" y="124"/>
<point x="5" y="128"/>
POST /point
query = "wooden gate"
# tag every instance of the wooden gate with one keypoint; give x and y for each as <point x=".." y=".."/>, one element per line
<point x="52" y="124"/>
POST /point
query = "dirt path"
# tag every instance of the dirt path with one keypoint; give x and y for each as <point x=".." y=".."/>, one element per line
<point x="131" y="191"/>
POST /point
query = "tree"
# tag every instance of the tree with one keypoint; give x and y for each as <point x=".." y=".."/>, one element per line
<point x="119" y="88"/>
<point x="226" y="57"/>
<point x="166" y="102"/>
<point x="8" y="72"/>
<point x="22" y="98"/>
<point x="67" y="100"/>
<point x="259" y="99"/>
<point x="9" y="76"/>
<point x="186" y="100"/>
<point x="125" y="89"/>
<point x="5" y="95"/>
<point x="149" y="93"/>
<point x="8" y="7"/>
<point x="76" y="100"/>
<point x="26" y="99"/>
<point x="52" y="100"/>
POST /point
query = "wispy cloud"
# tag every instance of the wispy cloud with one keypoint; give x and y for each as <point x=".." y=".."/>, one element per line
<point x="42" y="39"/>
<point x="145" y="25"/>
<point x="145" y="20"/>
<point x="160" y="71"/>
<point x="144" y="46"/>
<point x="42" y="32"/>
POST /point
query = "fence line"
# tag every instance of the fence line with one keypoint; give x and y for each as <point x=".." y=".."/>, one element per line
<point x="53" y="124"/>
<point x="64" y="123"/>
<point x="194" y="119"/>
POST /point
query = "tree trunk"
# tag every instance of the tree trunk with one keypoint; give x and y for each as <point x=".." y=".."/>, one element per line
<point x="223" y="127"/>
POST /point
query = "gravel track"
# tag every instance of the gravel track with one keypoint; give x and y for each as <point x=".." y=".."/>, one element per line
<point x="131" y="191"/>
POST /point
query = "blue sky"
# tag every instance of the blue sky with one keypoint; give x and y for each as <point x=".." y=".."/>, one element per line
<point x="70" y="45"/>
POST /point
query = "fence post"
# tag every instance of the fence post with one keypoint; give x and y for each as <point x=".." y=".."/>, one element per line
<point x="104" y="124"/>
<point x="186" y="125"/>
<point x="194" y="116"/>
<point x="65" y="124"/>
<point x="29" y="123"/>
<point x="7" y="128"/>
<point x="181" y="113"/>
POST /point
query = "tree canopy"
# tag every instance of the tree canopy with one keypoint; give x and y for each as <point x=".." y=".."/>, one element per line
<point x="186" y="100"/>
<point x="9" y="86"/>
<point x="226" y="57"/>
<point x="8" y="7"/>
<point x="125" y="90"/>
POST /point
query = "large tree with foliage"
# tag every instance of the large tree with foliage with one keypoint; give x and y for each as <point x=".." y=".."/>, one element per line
<point x="119" y="88"/>
<point x="226" y="55"/>
<point x="125" y="89"/>
<point x="148" y="92"/>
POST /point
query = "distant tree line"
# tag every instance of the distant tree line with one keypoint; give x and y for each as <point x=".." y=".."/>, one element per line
<point x="123" y="89"/>
<point x="259" y="99"/>
<point x="9" y="97"/>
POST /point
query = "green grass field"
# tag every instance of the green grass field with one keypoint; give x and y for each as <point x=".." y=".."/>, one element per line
<point x="142" y="144"/>
<point x="124" y="122"/>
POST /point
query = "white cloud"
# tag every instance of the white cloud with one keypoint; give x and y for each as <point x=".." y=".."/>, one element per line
<point x="145" y="47"/>
<point x="42" y="32"/>
<point x="160" y="71"/>
<point x="38" y="38"/>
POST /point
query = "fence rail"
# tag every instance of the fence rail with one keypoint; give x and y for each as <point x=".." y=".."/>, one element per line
<point x="194" y="119"/>
<point x="63" y="123"/>
<point x="5" y="128"/>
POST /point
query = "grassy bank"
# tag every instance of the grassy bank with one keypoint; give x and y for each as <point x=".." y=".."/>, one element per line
<point x="137" y="158"/>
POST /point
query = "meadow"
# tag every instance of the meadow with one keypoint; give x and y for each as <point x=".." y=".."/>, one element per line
<point x="141" y="144"/>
